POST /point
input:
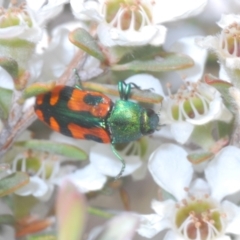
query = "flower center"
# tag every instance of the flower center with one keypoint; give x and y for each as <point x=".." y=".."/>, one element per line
<point x="36" y="165"/>
<point x="190" y="101"/>
<point x="14" y="16"/>
<point x="127" y="14"/>
<point x="230" y="40"/>
<point x="136" y="148"/>
<point x="199" y="219"/>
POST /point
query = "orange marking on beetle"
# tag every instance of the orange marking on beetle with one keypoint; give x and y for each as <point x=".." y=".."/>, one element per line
<point x="55" y="94"/>
<point x="40" y="99"/>
<point x="77" y="103"/>
<point x="39" y="114"/>
<point x="54" y="124"/>
<point x="80" y="132"/>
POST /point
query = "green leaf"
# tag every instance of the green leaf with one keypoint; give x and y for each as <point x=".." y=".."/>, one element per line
<point x="22" y="205"/>
<point x="18" y="49"/>
<point x="10" y="65"/>
<point x="161" y="63"/>
<point x="82" y="39"/>
<point x="42" y="236"/>
<point x="200" y="157"/>
<point x="7" y="219"/>
<point x="5" y="102"/>
<point x="139" y="53"/>
<point x="63" y="149"/>
<point x="145" y="96"/>
<point x="13" y="182"/>
<point x="37" y="88"/>
<point x="222" y="87"/>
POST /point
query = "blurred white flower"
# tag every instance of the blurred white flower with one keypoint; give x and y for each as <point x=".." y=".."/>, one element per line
<point x="43" y="171"/>
<point x="193" y="104"/>
<point x="225" y="45"/>
<point x="58" y="54"/>
<point x="198" y="211"/>
<point x="132" y="23"/>
<point x="104" y="164"/>
<point x="19" y="22"/>
<point x="46" y="9"/>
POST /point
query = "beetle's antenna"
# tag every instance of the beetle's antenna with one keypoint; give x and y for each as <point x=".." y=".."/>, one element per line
<point x="122" y="161"/>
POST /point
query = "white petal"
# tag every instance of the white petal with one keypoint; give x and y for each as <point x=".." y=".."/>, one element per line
<point x="6" y="80"/>
<point x="77" y="5"/>
<point x="181" y="131"/>
<point x="35" y="5"/>
<point x="105" y="161"/>
<point x="150" y="225"/>
<point x="232" y="212"/>
<point x="110" y="36"/>
<point x="172" y="10"/>
<point x="209" y="42"/>
<point x="47" y="195"/>
<point x="225" y="237"/>
<point x="232" y="63"/>
<point x="189" y="47"/>
<point x="160" y="36"/>
<point x="223" y="75"/>
<point x="36" y="187"/>
<point x="140" y="173"/>
<point x="199" y="188"/>
<point x="146" y="82"/>
<point x="165" y="208"/>
<point x="228" y="19"/>
<point x="170" y="169"/>
<point x="170" y="235"/>
<point x="88" y="179"/>
<point x="222" y="173"/>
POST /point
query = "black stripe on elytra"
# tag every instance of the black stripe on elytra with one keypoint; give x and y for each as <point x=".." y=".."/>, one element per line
<point x="92" y="137"/>
<point x="92" y="99"/>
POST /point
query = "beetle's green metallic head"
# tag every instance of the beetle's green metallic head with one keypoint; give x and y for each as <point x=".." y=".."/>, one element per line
<point x="149" y="121"/>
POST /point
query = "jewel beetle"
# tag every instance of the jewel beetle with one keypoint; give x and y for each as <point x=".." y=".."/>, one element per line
<point x="91" y="115"/>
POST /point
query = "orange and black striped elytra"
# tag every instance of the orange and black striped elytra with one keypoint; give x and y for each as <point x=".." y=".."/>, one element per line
<point x="75" y="113"/>
<point x="91" y="115"/>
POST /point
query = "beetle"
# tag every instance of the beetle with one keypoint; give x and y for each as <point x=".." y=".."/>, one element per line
<point x="91" y="115"/>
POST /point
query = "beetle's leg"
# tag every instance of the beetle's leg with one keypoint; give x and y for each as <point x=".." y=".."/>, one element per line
<point x="122" y="161"/>
<point x="78" y="80"/>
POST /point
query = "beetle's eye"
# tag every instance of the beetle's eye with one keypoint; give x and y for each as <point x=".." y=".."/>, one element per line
<point x="150" y="122"/>
<point x="150" y="112"/>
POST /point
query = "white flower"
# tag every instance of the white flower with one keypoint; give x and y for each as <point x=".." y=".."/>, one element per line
<point x="226" y="44"/>
<point x="131" y="23"/>
<point x="43" y="172"/>
<point x="45" y="10"/>
<point x="198" y="211"/>
<point x="194" y="103"/>
<point x="19" y="22"/>
<point x="58" y="54"/>
<point x="104" y="164"/>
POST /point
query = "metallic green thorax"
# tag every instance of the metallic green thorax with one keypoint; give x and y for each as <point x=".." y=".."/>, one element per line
<point x="128" y="121"/>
